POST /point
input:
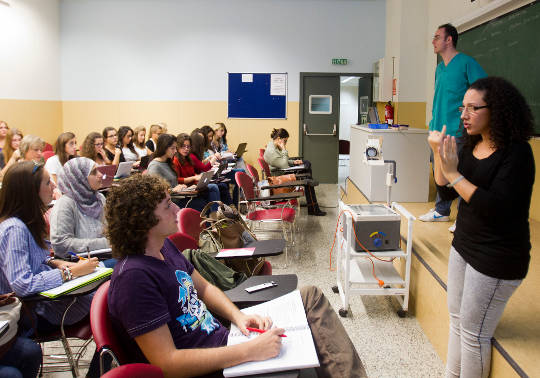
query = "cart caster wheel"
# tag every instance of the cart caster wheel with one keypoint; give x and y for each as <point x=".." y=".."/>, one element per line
<point x="402" y="313"/>
<point x="343" y="313"/>
<point x="335" y="289"/>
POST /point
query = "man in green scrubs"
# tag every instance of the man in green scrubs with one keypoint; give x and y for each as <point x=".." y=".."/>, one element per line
<point x="453" y="77"/>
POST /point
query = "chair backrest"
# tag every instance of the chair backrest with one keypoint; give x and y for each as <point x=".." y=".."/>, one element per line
<point x="265" y="167"/>
<point x="102" y="328"/>
<point x="134" y="371"/>
<point x="253" y="172"/>
<point x="266" y="269"/>
<point x="189" y="222"/>
<point x="47" y="155"/>
<point x="261" y="152"/>
<point x="246" y="183"/>
<point x="183" y="241"/>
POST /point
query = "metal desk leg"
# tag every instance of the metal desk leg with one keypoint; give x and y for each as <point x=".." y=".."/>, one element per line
<point x="74" y="367"/>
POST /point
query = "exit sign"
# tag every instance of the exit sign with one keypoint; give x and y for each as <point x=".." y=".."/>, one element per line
<point x="340" y="61"/>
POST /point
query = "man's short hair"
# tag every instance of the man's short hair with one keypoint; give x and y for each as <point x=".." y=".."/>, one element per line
<point x="450" y="30"/>
<point x="129" y="213"/>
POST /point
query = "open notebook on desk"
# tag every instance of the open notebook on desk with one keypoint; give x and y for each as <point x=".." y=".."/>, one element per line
<point x="78" y="282"/>
<point x="297" y="349"/>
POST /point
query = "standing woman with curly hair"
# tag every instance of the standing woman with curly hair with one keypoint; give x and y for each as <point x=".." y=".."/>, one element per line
<point x="494" y="175"/>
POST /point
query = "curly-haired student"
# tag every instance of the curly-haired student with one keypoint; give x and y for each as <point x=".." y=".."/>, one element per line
<point x="494" y="175"/>
<point x="174" y="326"/>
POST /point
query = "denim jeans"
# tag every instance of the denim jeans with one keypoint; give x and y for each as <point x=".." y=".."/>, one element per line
<point x="475" y="303"/>
<point x="214" y="192"/>
<point x="230" y="175"/>
<point x="21" y="360"/>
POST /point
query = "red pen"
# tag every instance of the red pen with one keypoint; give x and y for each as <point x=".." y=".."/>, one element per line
<point x="260" y="331"/>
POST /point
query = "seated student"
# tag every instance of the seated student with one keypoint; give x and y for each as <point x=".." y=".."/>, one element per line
<point x="138" y="141"/>
<point x="208" y="134"/>
<point x="64" y="149"/>
<point x="155" y="132"/>
<point x="13" y="140"/>
<point x="189" y="174"/>
<point x="277" y="157"/>
<point x="30" y="149"/>
<point x="92" y="148"/>
<point x="26" y="267"/>
<point x="198" y="145"/>
<point x="173" y="326"/>
<point x="111" y="147"/>
<point x="219" y="143"/>
<point x="3" y="135"/>
<point x="77" y="217"/>
<point x="162" y="165"/>
<point x="125" y="136"/>
<point x="19" y="356"/>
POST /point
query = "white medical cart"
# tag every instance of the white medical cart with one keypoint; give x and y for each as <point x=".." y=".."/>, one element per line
<point x="354" y="269"/>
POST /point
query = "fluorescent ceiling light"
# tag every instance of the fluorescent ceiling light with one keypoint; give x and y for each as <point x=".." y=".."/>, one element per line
<point x="4" y="2"/>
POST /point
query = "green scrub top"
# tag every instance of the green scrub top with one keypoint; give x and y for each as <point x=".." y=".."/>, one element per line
<point x="451" y="83"/>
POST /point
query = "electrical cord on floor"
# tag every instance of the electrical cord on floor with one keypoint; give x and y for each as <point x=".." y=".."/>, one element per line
<point x="381" y="282"/>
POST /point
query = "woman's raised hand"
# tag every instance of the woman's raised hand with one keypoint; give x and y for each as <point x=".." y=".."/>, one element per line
<point x="435" y="139"/>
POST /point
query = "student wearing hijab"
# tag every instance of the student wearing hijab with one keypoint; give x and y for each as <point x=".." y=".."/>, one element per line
<point x="77" y="217"/>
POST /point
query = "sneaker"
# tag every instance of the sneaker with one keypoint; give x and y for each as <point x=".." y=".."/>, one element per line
<point x="452" y="228"/>
<point x="433" y="216"/>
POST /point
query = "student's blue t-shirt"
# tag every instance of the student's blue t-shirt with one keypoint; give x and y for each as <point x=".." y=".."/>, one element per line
<point x="451" y="83"/>
<point x="146" y="293"/>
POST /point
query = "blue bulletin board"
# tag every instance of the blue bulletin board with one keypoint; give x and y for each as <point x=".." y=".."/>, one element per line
<point x="257" y="95"/>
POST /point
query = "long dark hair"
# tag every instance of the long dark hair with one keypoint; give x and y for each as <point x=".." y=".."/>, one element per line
<point x="180" y="139"/>
<point x="197" y="144"/>
<point x="122" y="132"/>
<point x="60" y="146"/>
<point x="20" y="198"/>
<point x="205" y="130"/>
<point x="164" y="141"/>
<point x="510" y="118"/>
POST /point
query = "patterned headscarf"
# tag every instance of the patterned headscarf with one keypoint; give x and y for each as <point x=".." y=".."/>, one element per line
<point x="73" y="183"/>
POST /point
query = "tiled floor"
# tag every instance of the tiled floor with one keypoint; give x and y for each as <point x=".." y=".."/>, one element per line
<point x="388" y="345"/>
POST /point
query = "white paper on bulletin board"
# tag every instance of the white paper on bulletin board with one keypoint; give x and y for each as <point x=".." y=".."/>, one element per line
<point x="247" y="78"/>
<point x="278" y="84"/>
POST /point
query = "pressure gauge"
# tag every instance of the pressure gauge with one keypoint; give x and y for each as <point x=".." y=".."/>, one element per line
<point x="372" y="153"/>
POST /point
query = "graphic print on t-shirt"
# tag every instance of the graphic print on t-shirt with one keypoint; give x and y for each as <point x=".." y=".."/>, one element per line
<point x="194" y="311"/>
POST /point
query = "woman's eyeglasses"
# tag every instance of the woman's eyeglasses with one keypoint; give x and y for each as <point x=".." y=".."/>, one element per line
<point x="185" y="146"/>
<point x="98" y="144"/>
<point x="471" y="109"/>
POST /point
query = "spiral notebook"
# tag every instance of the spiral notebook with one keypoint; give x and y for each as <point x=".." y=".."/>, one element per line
<point x="297" y="349"/>
<point x="69" y="286"/>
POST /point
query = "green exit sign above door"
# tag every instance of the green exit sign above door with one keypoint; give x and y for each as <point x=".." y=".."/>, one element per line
<point x="340" y="61"/>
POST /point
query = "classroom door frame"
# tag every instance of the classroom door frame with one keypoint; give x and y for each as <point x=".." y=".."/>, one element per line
<point x="302" y="103"/>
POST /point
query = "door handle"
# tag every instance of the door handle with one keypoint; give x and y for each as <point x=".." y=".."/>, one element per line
<point x="308" y="134"/>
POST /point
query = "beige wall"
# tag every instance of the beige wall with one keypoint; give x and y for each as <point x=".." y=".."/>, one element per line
<point x="42" y="118"/>
<point x="82" y="117"/>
